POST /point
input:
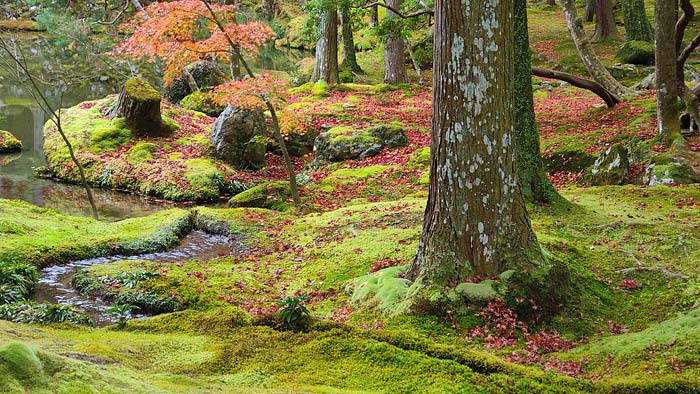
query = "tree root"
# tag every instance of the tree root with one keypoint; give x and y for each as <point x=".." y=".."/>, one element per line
<point x="641" y="267"/>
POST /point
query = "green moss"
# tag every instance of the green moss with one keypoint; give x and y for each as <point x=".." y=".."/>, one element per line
<point x="19" y="367"/>
<point x="203" y="175"/>
<point x="107" y="135"/>
<point x="201" y="102"/>
<point x="637" y="52"/>
<point x="271" y="195"/>
<point x="420" y="159"/>
<point x="303" y="89"/>
<point x="320" y="89"/>
<point x="218" y="323"/>
<point x="142" y="151"/>
<point x="383" y="289"/>
<point x="8" y="142"/>
<point x="141" y="90"/>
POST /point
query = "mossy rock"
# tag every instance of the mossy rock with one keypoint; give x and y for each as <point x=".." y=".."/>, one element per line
<point x="610" y="168"/>
<point x="271" y="195"/>
<point x="573" y="159"/>
<point x="636" y="52"/>
<point x="205" y="74"/>
<point x="347" y="143"/>
<point x="9" y="143"/>
<point x="668" y="173"/>
<point x="201" y="102"/>
<point x="19" y="367"/>
<point x="239" y="137"/>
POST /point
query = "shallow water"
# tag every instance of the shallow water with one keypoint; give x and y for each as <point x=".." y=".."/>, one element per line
<point x="55" y="281"/>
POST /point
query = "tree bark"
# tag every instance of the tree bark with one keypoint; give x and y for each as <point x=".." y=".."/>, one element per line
<point x="139" y="105"/>
<point x="637" y="26"/>
<point x="589" y="11"/>
<point x="326" y="67"/>
<point x="666" y="70"/>
<point x="579" y="82"/>
<point x="605" y="27"/>
<point x="590" y="60"/>
<point x="373" y="17"/>
<point x="394" y="64"/>
<point x="475" y="221"/>
<point x="350" y="60"/>
<point x="534" y="183"/>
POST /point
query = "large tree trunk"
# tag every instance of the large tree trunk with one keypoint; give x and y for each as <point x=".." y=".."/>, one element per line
<point x="326" y="67"/>
<point x="350" y="60"/>
<point x="590" y="60"/>
<point x="604" y="21"/>
<point x="589" y="11"/>
<point x="394" y="64"/>
<point x="139" y="105"/>
<point x="531" y="174"/>
<point x="475" y="222"/>
<point x="637" y="26"/>
<point x="666" y="70"/>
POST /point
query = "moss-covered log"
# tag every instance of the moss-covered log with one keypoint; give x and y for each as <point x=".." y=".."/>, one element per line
<point x="139" y="105"/>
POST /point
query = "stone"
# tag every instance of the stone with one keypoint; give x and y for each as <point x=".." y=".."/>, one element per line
<point x="667" y="174"/>
<point x="9" y="143"/>
<point x="610" y="168"/>
<point x="204" y="73"/>
<point x="347" y="143"/>
<point x="270" y="195"/>
<point x="239" y="137"/>
<point x="636" y="52"/>
<point x="201" y="101"/>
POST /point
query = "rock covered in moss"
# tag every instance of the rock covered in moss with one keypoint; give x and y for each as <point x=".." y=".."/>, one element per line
<point x="239" y="137"/>
<point x="610" y="168"/>
<point x="637" y="52"/>
<point x="141" y="152"/>
<point x="667" y="174"/>
<point x="9" y="143"/>
<point x="347" y="143"/>
<point x="204" y="73"/>
<point x="271" y="195"/>
<point x="201" y="102"/>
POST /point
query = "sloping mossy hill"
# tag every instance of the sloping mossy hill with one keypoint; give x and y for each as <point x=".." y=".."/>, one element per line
<point x="176" y="167"/>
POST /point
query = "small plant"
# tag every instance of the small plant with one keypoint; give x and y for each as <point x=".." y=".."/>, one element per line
<point x="122" y="312"/>
<point x="293" y="311"/>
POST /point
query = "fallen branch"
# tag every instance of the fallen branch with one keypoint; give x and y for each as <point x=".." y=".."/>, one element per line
<point x="579" y="82"/>
<point x="641" y="267"/>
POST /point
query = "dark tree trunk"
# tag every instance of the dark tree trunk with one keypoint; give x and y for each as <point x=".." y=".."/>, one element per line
<point x="269" y="9"/>
<point x="326" y="67"/>
<point x="534" y="183"/>
<point x="666" y="70"/>
<point x="139" y="105"/>
<point x="475" y="221"/>
<point x="589" y="11"/>
<point x="604" y="21"/>
<point x="373" y="16"/>
<point x="551" y="2"/>
<point x="637" y="26"/>
<point x="590" y="60"/>
<point x="350" y="60"/>
<point x="394" y="64"/>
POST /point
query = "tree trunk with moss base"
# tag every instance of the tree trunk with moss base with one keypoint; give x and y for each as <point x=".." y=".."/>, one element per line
<point x="531" y="174"/>
<point x="475" y="222"/>
<point x="326" y="66"/>
<point x="590" y="60"/>
<point x="350" y="60"/>
<point x="605" y="27"/>
<point x="394" y="65"/>
<point x="589" y="11"/>
<point x="637" y="26"/>
<point x="666" y="71"/>
<point x="139" y="105"/>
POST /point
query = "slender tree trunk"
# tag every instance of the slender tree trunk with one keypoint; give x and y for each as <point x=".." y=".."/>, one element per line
<point x="666" y="70"/>
<point x="637" y="26"/>
<point x="605" y="22"/>
<point x="269" y="9"/>
<point x="373" y="16"/>
<point x="589" y="11"/>
<point x="350" y="60"/>
<point x="326" y="67"/>
<point x="394" y="65"/>
<point x="590" y="60"/>
<point x="551" y="2"/>
<point x="534" y="183"/>
<point x="578" y="82"/>
<point x="475" y="221"/>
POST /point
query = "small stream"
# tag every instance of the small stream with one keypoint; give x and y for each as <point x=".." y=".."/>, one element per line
<point x="55" y="281"/>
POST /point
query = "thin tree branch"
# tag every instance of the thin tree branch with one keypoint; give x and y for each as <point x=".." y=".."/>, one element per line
<point x="579" y="82"/>
<point x="398" y="13"/>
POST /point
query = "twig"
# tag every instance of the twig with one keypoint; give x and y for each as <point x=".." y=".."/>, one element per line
<point x="612" y="225"/>
<point x="641" y="267"/>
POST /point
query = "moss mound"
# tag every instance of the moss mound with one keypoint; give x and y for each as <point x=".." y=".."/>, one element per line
<point x="270" y="195"/>
<point x="9" y="143"/>
<point x="19" y="367"/>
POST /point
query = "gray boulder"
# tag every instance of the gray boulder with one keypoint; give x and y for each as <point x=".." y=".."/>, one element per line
<point x="239" y="137"/>
<point x="610" y="168"/>
<point x="347" y="143"/>
<point x="204" y="73"/>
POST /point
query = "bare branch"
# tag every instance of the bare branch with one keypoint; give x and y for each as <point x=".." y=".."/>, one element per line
<point x="398" y="13"/>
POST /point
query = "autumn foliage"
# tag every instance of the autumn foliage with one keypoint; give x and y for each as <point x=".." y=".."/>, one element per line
<point x="181" y="32"/>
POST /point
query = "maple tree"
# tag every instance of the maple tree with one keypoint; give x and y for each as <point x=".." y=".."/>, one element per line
<point x="183" y="31"/>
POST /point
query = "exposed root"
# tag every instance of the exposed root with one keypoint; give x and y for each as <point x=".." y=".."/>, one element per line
<point x="641" y="267"/>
